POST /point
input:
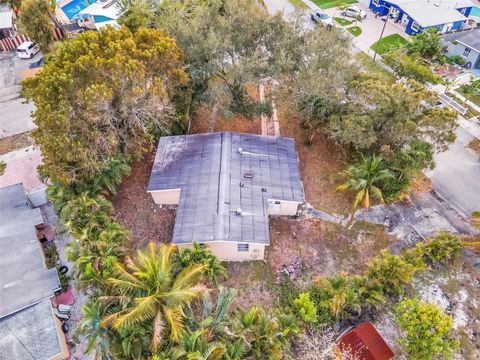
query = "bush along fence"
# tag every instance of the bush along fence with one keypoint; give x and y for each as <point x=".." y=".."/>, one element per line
<point x="11" y="43"/>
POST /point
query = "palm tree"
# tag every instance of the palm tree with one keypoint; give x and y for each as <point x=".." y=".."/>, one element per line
<point x="363" y="178"/>
<point x="90" y="327"/>
<point x="149" y="292"/>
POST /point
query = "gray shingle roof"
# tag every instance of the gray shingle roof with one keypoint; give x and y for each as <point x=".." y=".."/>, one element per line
<point x="209" y="168"/>
<point x="29" y="334"/>
<point x="470" y="38"/>
<point x="24" y="280"/>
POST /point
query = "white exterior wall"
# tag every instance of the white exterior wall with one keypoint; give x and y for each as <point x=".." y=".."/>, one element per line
<point x="286" y="208"/>
<point x="227" y="251"/>
<point x="166" y="197"/>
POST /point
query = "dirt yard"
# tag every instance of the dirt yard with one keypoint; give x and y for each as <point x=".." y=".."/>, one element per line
<point x="315" y="247"/>
<point x="201" y="123"/>
<point x="134" y="208"/>
<point x="320" y="163"/>
<point x="324" y="248"/>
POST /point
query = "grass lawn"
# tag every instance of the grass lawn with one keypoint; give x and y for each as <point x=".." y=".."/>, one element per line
<point x="367" y="64"/>
<point x="327" y="4"/>
<point x="388" y="42"/>
<point x="299" y="4"/>
<point x="473" y="98"/>
<point x="354" y="30"/>
<point x="342" y="21"/>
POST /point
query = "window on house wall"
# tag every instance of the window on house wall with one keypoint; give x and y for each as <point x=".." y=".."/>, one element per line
<point x="466" y="52"/>
<point x="415" y="26"/>
<point x="242" y="247"/>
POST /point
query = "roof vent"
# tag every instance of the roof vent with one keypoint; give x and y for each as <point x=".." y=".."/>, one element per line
<point x="242" y="184"/>
<point x="264" y="189"/>
<point x="240" y="150"/>
<point x="248" y="174"/>
<point x="238" y="211"/>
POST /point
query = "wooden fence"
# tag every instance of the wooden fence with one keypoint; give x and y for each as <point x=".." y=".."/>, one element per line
<point x="11" y="43"/>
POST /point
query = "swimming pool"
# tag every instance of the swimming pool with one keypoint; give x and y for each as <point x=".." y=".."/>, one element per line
<point x="75" y="6"/>
<point x="101" y="18"/>
<point x="475" y="12"/>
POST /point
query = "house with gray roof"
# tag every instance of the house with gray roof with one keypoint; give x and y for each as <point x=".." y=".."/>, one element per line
<point x="465" y="44"/>
<point x="28" y="328"/>
<point x="226" y="185"/>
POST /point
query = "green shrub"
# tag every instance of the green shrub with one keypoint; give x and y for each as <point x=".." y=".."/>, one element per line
<point x="442" y="248"/>
<point x="306" y="308"/>
<point x="409" y="67"/>
<point x="457" y="59"/>
<point x="406" y="164"/>
<point x="428" y="331"/>
<point x="287" y="290"/>
<point x="392" y="272"/>
<point x="201" y="255"/>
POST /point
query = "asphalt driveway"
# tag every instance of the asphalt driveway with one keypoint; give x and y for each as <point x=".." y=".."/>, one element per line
<point x="456" y="177"/>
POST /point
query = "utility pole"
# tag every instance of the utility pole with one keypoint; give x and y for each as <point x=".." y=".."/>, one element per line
<point x="381" y="35"/>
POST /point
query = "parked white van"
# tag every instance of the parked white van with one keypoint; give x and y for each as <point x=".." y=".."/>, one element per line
<point x="27" y="50"/>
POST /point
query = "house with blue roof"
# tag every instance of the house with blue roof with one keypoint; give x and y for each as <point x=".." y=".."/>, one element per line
<point x="418" y="15"/>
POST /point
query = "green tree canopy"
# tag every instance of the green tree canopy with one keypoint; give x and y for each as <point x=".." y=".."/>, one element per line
<point x="102" y="94"/>
<point x="426" y="44"/>
<point x="376" y="114"/>
<point x="428" y="331"/>
<point x="228" y="44"/>
<point x="35" y="21"/>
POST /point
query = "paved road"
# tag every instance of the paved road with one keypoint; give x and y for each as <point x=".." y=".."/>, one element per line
<point x="279" y="5"/>
<point x="15" y="115"/>
<point x="456" y="178"/>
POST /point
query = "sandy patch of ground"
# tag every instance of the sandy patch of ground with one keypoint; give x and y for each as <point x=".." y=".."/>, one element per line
<point x="254" y="282"/>
<point x="324" y="248"/>
<point x="134" y="208"/>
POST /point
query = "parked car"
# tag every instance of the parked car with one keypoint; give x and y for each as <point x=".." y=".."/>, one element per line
<point x="27" y="50"/>
<point x="354" y="12"/>
<point x="37" y="64"/>
<point x="321" y="18"/>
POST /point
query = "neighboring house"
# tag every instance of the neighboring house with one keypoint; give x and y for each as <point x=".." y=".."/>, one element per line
<point x="226" y="185"/>
<point x="465" y="44"/>
<point x="7" y="21"/>
<point x="28" y="328"/>
<point x="364" y="342"/>
<point x="418" y="15"/>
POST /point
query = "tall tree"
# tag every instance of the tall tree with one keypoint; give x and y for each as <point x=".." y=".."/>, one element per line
<point x="229" y="44"/>
<point x="363" y="179"/>
<point x="375" y="114"/>
<point x="149" y="293"/>
<point x="323" y="76"/>
<point x="35" y="21"/>
<point x="102" y="94"/>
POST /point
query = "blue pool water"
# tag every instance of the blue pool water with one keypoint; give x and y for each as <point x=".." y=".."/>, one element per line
<point x="101" y="18"/>
<point x="475" y="12"/>
<point x="74" y="7"/>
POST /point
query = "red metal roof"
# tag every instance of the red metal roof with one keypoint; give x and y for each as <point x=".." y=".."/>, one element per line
<point x="366" y="343"/>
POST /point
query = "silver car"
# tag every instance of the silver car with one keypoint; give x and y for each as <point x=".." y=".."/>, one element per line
<point x="354" y="12"/>
<point x="321" y="18"/>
